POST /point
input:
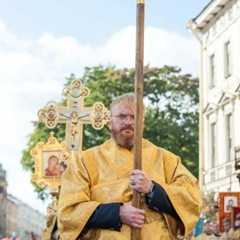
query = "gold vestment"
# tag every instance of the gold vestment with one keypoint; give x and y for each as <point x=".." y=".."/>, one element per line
<point x="234" y="234"/>
<point x="204" y="236"/>
<point x="101" y="175"/>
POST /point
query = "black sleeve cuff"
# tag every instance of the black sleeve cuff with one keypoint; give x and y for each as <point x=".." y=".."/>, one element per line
<point x="106" y="216"/>
<point x="160" y="202"/>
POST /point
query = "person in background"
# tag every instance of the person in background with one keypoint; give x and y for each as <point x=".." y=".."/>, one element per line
<point x="226" y="226"/>
<point x="96" y="196"/>
<point x="216" y="230"/>
<point x="234" y="233"/>
<point x="207" y="233"/>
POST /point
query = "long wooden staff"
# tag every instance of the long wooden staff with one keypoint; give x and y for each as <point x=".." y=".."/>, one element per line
<point x="138" y="122"/>
<point x="33" y="236"/>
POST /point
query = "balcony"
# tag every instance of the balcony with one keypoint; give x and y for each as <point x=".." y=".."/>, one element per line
<point x="237" y="158"/>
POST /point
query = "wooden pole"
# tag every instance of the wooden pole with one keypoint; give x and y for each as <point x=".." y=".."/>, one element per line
<point x="138" y="122"/>
<point x="33" y="236"/>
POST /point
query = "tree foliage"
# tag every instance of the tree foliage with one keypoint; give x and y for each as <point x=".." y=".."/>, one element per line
<point x="171" y="119"/>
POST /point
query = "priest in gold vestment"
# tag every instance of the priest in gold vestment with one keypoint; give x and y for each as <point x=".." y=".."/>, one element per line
<point x="96" y="190"/>
<point x="234" y="233"/>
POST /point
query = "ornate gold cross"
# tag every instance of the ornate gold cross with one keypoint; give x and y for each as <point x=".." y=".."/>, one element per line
<point x="51" y="158"/>
<point x="74" y="115"/>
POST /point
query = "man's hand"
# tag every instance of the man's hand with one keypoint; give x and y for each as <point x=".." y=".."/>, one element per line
<point x="132" y="216"/>
<point x="140" y="181"/>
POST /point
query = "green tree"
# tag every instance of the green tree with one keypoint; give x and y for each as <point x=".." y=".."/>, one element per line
<point x="171" y="119"/>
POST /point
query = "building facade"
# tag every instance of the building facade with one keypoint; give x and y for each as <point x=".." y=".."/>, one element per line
<point x="12" y="216"/>
<point x="30" y="221"/>
<point x="217" y="28"/>
<point x="17" y="218"/>
<point x="3" y="202"/>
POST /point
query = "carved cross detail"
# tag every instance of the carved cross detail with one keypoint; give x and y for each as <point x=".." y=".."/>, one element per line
<point x="74" y="115"/>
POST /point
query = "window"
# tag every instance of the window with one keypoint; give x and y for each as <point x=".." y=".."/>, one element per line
<point x="212" y="71"/>
<point x="229" y="137"/>
<point x="229" y="170"/>
<point x="213" y="144"/>
<point x="212" y="176"/>
<point x="227" y="59"/>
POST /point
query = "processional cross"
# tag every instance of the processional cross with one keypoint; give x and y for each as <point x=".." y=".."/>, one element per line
<point x="51" y="158"/>
<point x="75" y="114"/>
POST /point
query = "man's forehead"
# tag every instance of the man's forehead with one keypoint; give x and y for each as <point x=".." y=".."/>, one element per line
<point x="123" y="108"/>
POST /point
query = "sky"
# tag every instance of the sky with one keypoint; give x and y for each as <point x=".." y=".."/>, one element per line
<point x="43" y="42"/>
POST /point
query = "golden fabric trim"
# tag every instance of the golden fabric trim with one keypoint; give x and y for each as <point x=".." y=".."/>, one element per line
<point x="74" y="197"/>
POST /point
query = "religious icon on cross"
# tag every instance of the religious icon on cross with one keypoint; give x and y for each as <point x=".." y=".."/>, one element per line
<point x="51" y="160"/>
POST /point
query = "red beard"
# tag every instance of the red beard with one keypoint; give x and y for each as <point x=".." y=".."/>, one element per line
<point x="121" y="139"/>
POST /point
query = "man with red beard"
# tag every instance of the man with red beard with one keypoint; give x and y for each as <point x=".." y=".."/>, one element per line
<point x="96" y="190"/>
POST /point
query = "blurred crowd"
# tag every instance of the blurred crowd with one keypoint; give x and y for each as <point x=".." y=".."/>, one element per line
<point x="10" y="238"/>
<point x="211" y="230"/>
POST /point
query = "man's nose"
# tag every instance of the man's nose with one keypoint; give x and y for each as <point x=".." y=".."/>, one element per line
<point x="129" y="119"/>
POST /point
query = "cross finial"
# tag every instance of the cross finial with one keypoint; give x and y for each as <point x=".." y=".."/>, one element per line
<point x="51" y="134"/>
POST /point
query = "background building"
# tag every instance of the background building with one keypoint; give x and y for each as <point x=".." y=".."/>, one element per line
<point x="17" y="217"/>
<point x="12" y="216"/>
<point x="3" y="202"/>
<point x="30" y="221"/>
<point x="217" y="28"/>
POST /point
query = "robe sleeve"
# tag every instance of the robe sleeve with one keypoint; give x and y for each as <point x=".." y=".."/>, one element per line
<point x="106" y="216"/>
<point x="161" y="206"/>
<point x="75" y="207"/>
<point x="183" y="191"/>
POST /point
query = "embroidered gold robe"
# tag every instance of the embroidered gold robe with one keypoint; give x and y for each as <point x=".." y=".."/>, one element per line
<point x="204" y="236"/>
<point x="234" y="234"/>
<point x="101" y="176"/>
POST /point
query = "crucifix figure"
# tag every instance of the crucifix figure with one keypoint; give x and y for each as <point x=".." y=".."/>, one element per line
<point x="74" y="115"/>
<point x="74" y="121"/>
